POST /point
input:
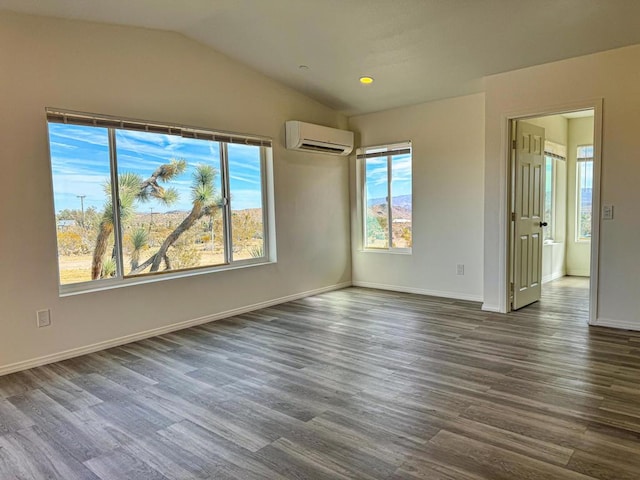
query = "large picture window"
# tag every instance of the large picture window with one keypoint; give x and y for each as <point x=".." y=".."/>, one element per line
<point x="387" y="197"/>
<point x="584" y="192"/>
<point x="187" y="199"/>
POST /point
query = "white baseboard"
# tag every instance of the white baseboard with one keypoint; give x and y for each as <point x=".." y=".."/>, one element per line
<point x="76" y="352"/>
<point x="578" y="273"/>
<point x="621" y="324"/>
<point x="490" y="308"/>
<point x="420" y="291"/>
<point x="553" y="276"/>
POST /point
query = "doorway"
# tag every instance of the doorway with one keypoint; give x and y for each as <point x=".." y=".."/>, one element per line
<point x="554" y="205"/>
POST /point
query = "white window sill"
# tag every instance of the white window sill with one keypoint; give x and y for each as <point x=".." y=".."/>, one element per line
<point x="109" y="284"/>
<point x="393" y="251"/>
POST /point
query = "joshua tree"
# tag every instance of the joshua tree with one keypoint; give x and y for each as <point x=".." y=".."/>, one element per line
<point x="109" y="268"/>
<point x="256" y="251"/>
<point x="139" y="239"/>
<point x="132" y="188"/>
<point x="205" y="203"/>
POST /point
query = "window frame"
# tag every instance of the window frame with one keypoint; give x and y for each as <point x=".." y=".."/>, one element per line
<point x="549" y="230"/>
<point x="554" y="158"/>
<point x="580" y="163"/>
<point x="555" y="152"/>
<point x="392" y="149"/>
<point x="113" y="124"/>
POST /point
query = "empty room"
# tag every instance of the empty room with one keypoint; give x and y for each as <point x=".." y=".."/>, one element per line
<point x="319" y="240"/>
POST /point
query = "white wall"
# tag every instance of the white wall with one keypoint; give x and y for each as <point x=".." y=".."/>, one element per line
<point x="448" y="147"/>
<point x="613" y="76"/>
<point x="556" y="129"/>
<point x="150" y="75"/>
<point x="578" y="253"/>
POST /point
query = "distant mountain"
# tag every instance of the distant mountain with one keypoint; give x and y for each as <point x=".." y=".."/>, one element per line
<point x="401" y="210"/>
<point x="400" y="201"/>
<point x="178" y="215"/>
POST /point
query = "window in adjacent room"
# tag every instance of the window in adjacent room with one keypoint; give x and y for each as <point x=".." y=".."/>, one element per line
<point x="187" y="199"/>
<point x="387" y="197"/>
<point x="553" y="153"/>
<point x="584" y="192"/>
<point x="549" y="171"/>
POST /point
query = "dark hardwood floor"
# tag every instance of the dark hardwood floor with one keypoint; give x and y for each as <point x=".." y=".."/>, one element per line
<point x="352" y="384"/>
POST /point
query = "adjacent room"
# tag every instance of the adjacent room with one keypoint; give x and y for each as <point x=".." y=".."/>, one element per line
<point x="321" y="240"/>
<point x="564" y="242"/>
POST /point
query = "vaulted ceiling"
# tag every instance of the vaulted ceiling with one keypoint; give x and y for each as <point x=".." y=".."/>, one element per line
<point x="416" y="50"/>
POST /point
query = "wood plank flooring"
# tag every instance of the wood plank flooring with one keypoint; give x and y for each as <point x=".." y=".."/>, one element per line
<point x="352" y="384"/>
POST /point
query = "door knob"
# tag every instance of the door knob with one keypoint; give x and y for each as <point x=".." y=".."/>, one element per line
<point x="543" y="224"/>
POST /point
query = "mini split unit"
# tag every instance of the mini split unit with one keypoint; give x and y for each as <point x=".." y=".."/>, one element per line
<point x="316" y="138"/>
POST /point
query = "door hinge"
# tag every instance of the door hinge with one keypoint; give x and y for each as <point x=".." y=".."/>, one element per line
<point x="514" y="144"/>
<point x="513" y="216"/>
<point x="511" y="288"/>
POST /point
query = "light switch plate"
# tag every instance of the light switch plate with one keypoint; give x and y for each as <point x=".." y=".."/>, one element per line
<point x="607" y="212"/>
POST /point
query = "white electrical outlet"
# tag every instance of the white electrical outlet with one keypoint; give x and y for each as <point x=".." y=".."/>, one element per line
<point x="43" y="318"/>
<point x="460" y="269"/>
<point x="607" y="212"/>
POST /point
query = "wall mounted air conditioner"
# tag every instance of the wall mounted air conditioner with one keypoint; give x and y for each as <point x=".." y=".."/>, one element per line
<point x="316" y="138"/>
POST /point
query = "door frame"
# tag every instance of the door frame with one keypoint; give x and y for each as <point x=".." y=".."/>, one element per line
<point x="509" y="122"/>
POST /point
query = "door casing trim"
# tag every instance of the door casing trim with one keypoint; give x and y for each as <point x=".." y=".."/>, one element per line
<point x="595" y="104"/>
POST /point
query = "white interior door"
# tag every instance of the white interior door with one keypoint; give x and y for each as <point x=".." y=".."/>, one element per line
<point x="528" y="208"/>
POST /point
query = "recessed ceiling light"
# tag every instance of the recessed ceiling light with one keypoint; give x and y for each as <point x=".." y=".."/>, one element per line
<point x="366" y="80"/>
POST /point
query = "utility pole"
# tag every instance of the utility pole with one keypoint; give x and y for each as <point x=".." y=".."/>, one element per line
<point x="82" y="197"/>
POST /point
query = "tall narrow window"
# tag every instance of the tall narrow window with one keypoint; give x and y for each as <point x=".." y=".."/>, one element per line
<point x="187" y="199"/>
<point x="549" y="191"/>
<point x="81" y="171"/>
<point x="554" y="154"/>
<point x="387" y="197"/>
<point x="246" y="193"/>
<point x="584" y="192"/>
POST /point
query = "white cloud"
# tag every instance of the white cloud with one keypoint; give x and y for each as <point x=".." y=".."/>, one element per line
<point x="89" y="135"/>
<point x="243" y="178"/>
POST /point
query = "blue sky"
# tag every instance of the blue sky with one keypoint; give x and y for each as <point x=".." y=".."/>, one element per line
<point x="80" y="165"/>
<point x="376" y="174"/>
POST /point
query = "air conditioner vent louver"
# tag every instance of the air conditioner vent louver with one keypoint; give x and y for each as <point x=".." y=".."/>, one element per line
<point x="322" y="148"/>
<point x="316" y="138"/>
